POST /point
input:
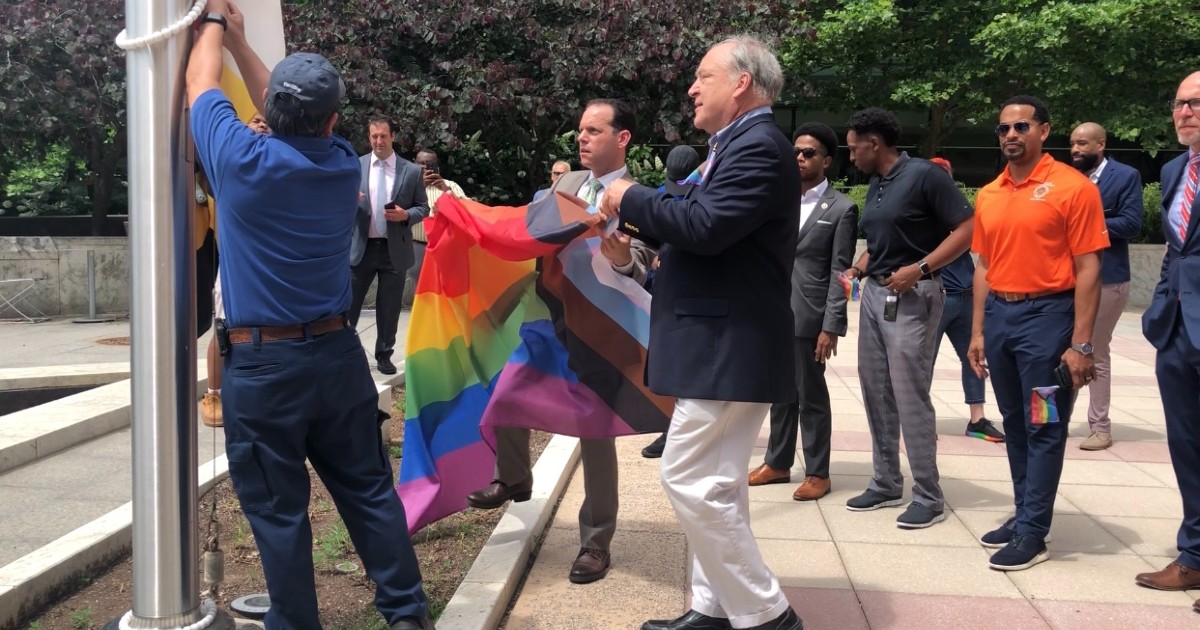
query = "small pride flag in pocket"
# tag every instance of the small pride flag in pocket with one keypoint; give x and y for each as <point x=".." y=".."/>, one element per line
<point x="1042" y="408"/>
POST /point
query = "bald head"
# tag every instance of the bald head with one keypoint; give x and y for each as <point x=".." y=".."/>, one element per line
<point x="1186" y="117"/>
<point x="1087" y="146"/>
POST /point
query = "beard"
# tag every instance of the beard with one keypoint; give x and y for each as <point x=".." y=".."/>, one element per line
<point x="1013" y="153"/>
<point x="1188" y="138"/>
<point x="1085" y="161"/>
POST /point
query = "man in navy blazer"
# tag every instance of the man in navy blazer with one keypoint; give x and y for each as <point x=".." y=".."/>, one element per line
<point x="719" y="327"/>
<point x="1172" y="325"/>
<point x="391" y="199"/>
<point x="1121" y="191"/>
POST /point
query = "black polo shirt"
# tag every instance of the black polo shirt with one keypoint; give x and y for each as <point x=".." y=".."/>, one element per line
<point x="909" y="212"/>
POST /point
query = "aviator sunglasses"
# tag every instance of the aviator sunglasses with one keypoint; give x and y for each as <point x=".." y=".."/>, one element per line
<point x="1022" y="127"/>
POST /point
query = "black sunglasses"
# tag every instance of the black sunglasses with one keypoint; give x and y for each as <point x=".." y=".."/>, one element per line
<point x="1193" y="103"/>
<point x="808" y="152"/>
<point x="1022" y="127"/>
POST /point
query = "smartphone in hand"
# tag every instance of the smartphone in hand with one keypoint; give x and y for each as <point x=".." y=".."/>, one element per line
<point x="1062" y="374"/>
<point x="391" y="205"/>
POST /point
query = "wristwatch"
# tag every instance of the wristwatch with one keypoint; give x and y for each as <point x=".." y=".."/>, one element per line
<point x="213" y="16"/>
<point x="924" y="267"/>
<point x="1084" y="348"/>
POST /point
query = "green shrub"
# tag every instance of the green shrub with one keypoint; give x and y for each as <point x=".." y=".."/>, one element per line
<point x="1152" y="230"/>
<point x="49" y="186"/>
<point x="645" y="166"/>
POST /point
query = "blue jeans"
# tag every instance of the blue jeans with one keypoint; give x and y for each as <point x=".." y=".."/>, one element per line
<point x="1023" y="343"/>
<point x="956" y="324"/>
<point x="285" y="401"/>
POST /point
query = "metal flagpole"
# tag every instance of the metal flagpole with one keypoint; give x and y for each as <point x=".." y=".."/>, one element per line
<point x="166" y="588"/>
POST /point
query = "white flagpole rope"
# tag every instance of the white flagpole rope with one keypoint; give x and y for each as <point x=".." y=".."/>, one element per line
<point x="162" y="35"/>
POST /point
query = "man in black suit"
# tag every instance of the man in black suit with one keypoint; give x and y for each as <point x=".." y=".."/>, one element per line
<point x="1172" y="325"/>
<point x="828" y="233"/>
<point x="391" y="200"/>
<point x="720" y="311"/>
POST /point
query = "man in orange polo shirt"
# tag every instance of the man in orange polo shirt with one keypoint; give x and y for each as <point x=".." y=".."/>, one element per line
<point x="1039" y="231"/>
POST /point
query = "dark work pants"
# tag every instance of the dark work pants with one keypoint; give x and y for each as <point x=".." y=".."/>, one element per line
<point x="811" y="416"/>
<point x="285" y="401"/>
<point x="1178" y="369"/>
<point x="389" y="295"/>
<point x="1023" y="343"/>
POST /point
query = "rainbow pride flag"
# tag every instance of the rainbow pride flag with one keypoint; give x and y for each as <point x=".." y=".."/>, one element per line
<point x="1043" y="408"/>
<point x="518" y="321"/>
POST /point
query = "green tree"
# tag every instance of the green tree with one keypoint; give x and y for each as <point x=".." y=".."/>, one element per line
<point x="62" y="81"/>
<point x="915" y="55"/>
<point x="1115" y="62"/>
<point x="1112" y="61"/>
<point x="495" y="84"/>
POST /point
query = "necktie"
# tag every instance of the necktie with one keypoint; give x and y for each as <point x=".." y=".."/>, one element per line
<point x="592" y="191"/>
<point x="1189" y="194"/>
<point x="381" y="195"/>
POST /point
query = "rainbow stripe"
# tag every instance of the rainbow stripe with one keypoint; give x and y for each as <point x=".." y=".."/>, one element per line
<point x="1042" y="406"/>
<point x="518" y="321"/>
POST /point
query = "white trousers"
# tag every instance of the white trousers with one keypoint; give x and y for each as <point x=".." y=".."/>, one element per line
<point x="704" y="473"/>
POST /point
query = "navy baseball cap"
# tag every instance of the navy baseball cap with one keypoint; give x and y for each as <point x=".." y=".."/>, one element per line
<point x="311" y="80"/>
<point x="681" y="161"/>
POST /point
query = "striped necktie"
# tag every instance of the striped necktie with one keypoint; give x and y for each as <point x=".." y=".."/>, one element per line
<point x="1189" y="195"/>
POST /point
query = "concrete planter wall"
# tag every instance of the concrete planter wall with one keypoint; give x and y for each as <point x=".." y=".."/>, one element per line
<point x="59" y="264"/>
<point x="59" y="267"/>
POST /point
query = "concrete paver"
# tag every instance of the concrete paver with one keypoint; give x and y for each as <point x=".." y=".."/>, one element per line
<point x="1116" y="515"/>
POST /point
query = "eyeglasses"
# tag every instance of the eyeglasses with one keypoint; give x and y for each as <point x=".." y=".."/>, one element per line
<point x="808" y="152"/>
<point x="558" y="173"/>
<point x="1193" y="103"/>
<point x="1022" y="127"/>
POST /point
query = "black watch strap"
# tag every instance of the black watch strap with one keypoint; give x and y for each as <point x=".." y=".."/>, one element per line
<point x="924" y="267"/>
<point x="213" y="16"/>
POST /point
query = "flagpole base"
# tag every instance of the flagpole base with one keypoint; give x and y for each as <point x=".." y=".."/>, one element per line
<point x="221" y="620"/>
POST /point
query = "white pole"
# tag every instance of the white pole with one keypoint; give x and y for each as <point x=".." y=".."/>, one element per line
<point x="162" y="320"/>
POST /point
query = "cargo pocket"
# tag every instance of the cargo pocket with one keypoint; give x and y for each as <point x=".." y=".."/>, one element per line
<point x="247" y="476"/>
<point x="385" y="459"/>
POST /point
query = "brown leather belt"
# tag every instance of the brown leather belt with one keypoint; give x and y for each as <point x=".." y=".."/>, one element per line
<point x="1021" y="297"/>
<point x="294" y="331"/>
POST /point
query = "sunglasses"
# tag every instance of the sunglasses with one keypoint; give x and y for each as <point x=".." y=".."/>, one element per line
<point x="808" y="152"/>
<point x="1022" y="127"/>
<point x="1193" y="103"/>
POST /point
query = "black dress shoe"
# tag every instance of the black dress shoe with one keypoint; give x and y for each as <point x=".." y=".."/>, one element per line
<point x="691" y="620"/>
<point x="789" y="620"/>
<point x="386" y="366"/>
<point x="654" y="449"/>
<point x="495" y="494"/>
<point x="412" y="623"/>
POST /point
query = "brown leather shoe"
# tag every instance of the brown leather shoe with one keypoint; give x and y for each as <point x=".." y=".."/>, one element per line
<point x="495" y="494"/>
<point x="764" y="475"/>
<point x="1175" y="577"/>
<point x="812" y="488"/>
<point x="591" y="565"/>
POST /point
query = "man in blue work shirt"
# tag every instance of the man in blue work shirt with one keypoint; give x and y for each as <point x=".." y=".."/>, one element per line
<point x="297" y="384"/>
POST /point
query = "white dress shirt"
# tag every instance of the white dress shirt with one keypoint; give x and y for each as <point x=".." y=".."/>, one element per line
<point x="378" y="227"/>
<point x="808" y="201"/>
<point x="1094" y="174"/>
<point x="605" y="181"/>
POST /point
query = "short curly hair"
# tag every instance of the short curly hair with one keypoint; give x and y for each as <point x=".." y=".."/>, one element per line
<point x="877" y="121"/>
<point x="821" y="133"/>
<point x="1041" y="112"/>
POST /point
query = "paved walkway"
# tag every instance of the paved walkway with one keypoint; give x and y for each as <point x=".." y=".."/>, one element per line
<point x="1116" y="515"/>
<point x="45" y="499"/>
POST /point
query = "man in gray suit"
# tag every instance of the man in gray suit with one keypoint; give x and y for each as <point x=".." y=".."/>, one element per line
<point x="391" y="200"/>
<point x="828" y="232"/>
<point x="605" y="130"/>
